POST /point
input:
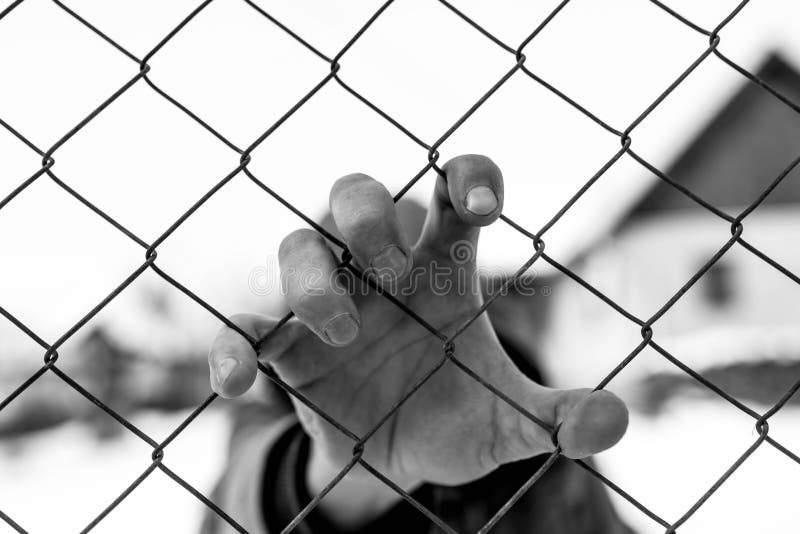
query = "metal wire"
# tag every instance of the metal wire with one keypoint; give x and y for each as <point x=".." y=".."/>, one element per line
<point x="517" y="67"/>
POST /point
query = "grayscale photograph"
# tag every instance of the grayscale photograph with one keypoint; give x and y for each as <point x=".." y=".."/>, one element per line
<point x="399" y="266"/>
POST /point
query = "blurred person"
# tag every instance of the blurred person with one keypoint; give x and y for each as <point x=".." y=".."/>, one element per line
<point x="454" y="445"/>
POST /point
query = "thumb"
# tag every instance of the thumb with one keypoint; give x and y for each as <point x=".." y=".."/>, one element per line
<point x="589" y="422"/>
<point x="585" y="421"/>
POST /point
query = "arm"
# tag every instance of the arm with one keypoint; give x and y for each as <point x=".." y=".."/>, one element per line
<point x="240" y="490"/>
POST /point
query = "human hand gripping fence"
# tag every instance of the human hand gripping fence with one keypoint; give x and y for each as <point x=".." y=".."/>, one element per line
<point x="478" y="380"/>
<point x="367" y="359"/>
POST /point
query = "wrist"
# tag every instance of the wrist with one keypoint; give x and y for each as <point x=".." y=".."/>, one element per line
<point x="358" y="498"/>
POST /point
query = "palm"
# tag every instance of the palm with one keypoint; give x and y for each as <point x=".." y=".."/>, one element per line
<point x="445" y="431"/>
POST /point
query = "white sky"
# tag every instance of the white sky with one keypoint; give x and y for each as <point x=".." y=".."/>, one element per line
<point x="144" y="162"/>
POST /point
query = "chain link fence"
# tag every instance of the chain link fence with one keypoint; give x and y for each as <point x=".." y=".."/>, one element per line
<point x="517" y="67"/>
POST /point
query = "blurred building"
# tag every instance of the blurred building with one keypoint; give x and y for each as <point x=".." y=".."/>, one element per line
<point x="742" y="310"/>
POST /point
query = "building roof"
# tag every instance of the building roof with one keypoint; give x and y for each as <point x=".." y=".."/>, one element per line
<point x="740" y="151"/>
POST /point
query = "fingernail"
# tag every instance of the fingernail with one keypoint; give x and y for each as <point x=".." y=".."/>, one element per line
<point x="224" y="370"/>
<point x="390" y="261"/>
<point x="342" y="329"/>
<point x="481" y="200"/>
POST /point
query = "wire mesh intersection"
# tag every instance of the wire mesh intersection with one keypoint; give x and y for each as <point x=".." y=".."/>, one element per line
<point x="517" y="65"/>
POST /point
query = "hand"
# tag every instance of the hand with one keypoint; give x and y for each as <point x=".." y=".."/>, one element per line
<point x="354" y="354"/>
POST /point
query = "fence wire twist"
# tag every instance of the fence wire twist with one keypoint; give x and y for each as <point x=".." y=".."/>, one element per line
<point x="449" y="351"/>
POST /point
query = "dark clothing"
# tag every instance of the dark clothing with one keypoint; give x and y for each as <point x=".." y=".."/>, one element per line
<point x="264" y="488"/>
<point x="566" y="500"/>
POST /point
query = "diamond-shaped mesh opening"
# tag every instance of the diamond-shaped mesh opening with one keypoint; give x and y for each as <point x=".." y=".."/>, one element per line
<point x="137" y="26"/>
<point x="511" y="22"/>
<point x="619" y="46"/>
<point x="202" y="255"/>
<point x="156" y="176"/>
<point x="369" y="144"/>
<point x="261" y="71"/>
<point x="426" y="82"/>
<point x="327" y="27"/>
<point x="706" y="14"/>
<point x="93" y="440"/>
<point x="44" y="103"/>
<point x="168" y="503"/>
<point x="729" y="318"/>
<point x="56" y="270"/>
<point x="690" y="254"/>
<point x="736" y="507"/>
<point x="728" y="114"/>
<point x="674" y="435"/>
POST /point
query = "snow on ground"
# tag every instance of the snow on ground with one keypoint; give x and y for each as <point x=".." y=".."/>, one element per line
<point x="58" y="480"/>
